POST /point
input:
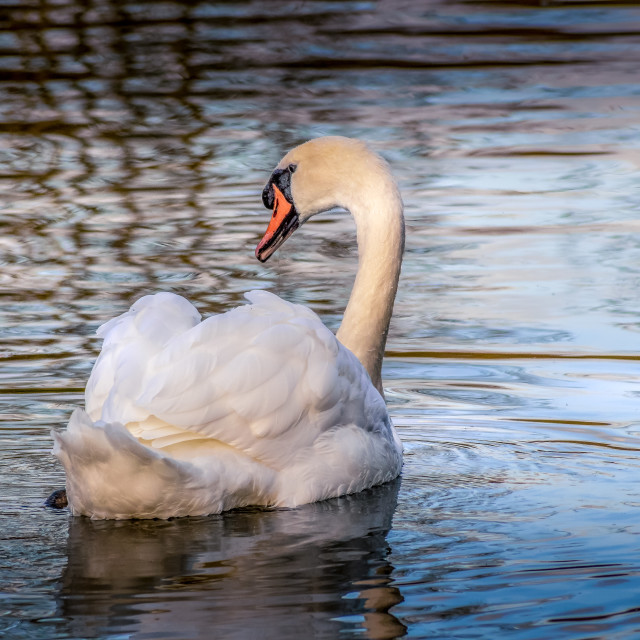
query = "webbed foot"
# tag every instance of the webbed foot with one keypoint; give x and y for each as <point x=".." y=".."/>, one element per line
<point x="57" y="500"/>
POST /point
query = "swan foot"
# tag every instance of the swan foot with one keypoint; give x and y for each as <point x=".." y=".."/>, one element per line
<point x="57" y="500"/>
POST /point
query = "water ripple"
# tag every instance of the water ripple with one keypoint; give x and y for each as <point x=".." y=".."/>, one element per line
<point x="134" y="141"/>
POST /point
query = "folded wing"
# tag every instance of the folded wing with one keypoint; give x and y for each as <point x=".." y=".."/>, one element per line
<point x="267" y="378"/>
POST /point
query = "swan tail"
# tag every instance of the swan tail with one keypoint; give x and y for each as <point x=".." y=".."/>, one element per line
<point x="111" y="475"/>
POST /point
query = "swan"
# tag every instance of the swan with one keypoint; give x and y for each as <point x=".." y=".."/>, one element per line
<point x="261" y="405"/>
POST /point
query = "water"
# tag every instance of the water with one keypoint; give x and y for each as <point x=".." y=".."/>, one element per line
<point x="134" y="142"/>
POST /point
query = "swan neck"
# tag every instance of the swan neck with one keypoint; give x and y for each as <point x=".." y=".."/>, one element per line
<point x="380" y="231"/>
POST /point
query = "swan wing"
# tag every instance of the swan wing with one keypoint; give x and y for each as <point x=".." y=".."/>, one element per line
<point x="130" y="342"/>
<point x="267" y="378"/>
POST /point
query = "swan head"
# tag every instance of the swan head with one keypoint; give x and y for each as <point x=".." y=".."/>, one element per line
<point x="317" y="176"/>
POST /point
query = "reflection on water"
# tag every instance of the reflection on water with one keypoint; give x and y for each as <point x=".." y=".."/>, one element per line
<point x="134" y="142"/>
<point x="238" y="573"/>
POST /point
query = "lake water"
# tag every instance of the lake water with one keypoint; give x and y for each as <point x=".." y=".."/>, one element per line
<point x="135" y="139"/>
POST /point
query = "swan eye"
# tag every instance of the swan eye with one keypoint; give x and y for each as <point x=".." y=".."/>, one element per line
<point x="292" y="168"/>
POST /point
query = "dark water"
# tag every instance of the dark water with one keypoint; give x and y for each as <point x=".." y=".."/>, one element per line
<point x="134" y="141"/>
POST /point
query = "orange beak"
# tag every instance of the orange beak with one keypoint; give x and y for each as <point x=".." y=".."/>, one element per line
<point x="283" y="223"/>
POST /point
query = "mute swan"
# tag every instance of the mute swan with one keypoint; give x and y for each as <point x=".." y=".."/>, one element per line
<point x="261" y="405"/>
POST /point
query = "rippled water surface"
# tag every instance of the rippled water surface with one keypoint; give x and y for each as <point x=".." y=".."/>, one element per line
<point x="134" y="142"/>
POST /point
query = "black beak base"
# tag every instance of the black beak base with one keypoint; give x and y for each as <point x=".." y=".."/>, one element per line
<point x="282" y="179"/>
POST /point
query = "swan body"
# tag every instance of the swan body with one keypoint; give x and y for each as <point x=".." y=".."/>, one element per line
<point x="261" y="405"/>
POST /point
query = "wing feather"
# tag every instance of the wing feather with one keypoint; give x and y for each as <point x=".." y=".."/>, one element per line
<point x="267" y="377"/>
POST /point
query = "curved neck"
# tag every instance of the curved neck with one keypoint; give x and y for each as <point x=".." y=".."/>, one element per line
<point x="380" y="229"/>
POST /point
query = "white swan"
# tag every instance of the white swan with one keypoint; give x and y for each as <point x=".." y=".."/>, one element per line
<point x="261" y="405"/>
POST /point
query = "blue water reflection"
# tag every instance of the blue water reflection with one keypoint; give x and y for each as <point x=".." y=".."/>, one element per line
<point x="321" y="567"/>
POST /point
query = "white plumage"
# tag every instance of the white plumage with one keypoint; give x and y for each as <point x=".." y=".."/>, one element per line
<point x="261" y="405"/>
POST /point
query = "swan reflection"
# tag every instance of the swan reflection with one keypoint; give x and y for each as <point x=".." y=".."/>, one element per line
<point x="302" y="573"/>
